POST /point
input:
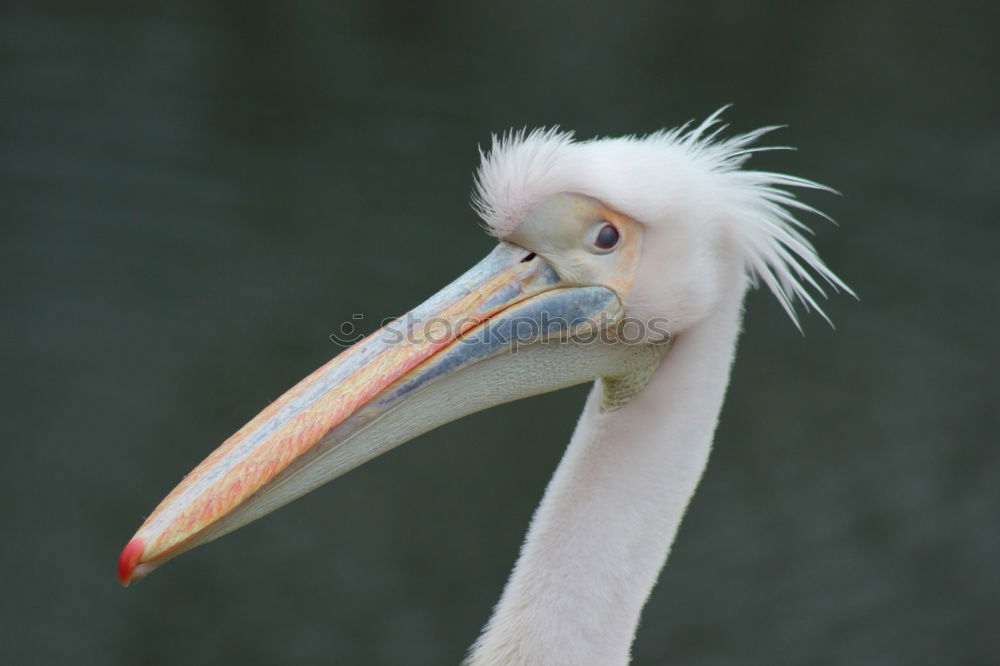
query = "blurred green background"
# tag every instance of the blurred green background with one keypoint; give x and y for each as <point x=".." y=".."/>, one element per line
<point x="193" y="196"/>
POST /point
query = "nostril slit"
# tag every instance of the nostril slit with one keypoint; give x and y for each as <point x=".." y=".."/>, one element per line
<point x="528" y="258"/>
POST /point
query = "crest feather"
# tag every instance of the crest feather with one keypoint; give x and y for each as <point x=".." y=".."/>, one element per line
<point x="686" y="171"/>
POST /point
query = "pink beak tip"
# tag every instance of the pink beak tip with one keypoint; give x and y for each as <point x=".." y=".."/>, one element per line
<point x="129" y="560"/>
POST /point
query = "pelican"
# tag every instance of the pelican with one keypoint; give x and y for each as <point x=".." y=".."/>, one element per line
<point x="620" y="261"/>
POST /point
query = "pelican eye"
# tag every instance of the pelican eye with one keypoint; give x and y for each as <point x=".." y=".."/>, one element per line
<point x="607" y="237"/>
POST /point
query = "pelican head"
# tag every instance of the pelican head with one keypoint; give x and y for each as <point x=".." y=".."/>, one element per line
<point x="608" y="251"/>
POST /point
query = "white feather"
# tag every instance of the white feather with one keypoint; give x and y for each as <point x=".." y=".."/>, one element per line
<point x="662" y="176"/>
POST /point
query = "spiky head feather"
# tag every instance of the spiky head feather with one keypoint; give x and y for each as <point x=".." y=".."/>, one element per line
<point x="666" y="174"/>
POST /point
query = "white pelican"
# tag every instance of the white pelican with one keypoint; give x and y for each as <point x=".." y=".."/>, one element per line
<point x="620" y="261"/>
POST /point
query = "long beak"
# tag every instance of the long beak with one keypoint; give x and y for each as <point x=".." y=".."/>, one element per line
<point x="507" y="329"/>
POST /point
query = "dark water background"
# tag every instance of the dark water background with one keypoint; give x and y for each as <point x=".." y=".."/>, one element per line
<point x="193" y="196"/>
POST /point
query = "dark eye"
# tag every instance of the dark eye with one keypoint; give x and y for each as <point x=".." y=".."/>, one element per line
<point x="607" y="237"/>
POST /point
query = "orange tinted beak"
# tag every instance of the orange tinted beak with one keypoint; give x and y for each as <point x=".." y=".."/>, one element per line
<point x="310" y="434"/>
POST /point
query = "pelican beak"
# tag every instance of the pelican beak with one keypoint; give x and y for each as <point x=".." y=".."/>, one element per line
<point x="506" y="329"/>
